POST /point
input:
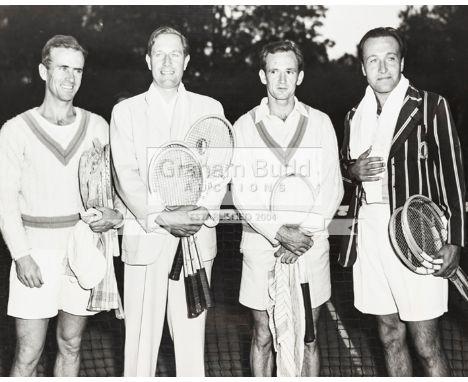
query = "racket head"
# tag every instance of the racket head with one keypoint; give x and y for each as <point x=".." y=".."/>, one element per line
<point x="292" y="199"/>
<point x="94" y="176"/>
<point x="424" y="226"/>
<point x="399" y="244"/>
<point x="175" y="174"/>
<point x="212" y="139"/>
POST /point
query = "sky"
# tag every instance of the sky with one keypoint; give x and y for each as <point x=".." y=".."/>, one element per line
<point x="345" y="24"/>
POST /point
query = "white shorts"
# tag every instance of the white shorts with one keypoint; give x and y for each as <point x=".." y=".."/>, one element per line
<point x="59" y="291"/>
<point x="259" y="260"/>
<point x="382" y="284"/>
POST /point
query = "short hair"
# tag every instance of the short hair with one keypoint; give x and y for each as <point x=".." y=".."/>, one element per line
<point x="61" y="41"/>
<point x="167" y="30"/>
<point x="281" y="46"/>
<point x="382" y="32"/>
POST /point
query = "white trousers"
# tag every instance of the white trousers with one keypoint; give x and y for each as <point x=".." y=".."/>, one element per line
<point x="147" y="293"/>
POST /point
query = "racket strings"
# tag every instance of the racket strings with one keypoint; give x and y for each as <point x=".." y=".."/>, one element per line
<point x="212" y="139"/>
<point x="292" y="199"/>
<point x="292" y="193"/>
<point x="399" y="241"/>
<point x="425" y="227"/>
<point x="177" y="177"/>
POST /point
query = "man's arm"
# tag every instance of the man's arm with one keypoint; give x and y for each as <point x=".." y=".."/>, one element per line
<point x="449" y="163"/>
<point x="250" y="204"/>
<point x="11" y="159"/>
<point x="345" y="156"/>
<point x="11" y="225"/>
<point x="148" y="209"/>
<point x="331" y="184"/>
<point x="247" y="202"/>
<point x="127" y="179"/>
<point x="362" y="169"/>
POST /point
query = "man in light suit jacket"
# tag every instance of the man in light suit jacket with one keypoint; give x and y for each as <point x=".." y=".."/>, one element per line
<point x="151" y="234"/>
<point x="400" y="141"/>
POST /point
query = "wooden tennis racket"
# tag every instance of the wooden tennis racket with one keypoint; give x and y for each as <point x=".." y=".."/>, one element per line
<point x="212" y="139"/>
<point x="425" y="229"/>
<point x="175" y="174"/>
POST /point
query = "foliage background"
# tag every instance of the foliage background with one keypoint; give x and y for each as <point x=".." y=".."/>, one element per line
<point x="224" y="41"/>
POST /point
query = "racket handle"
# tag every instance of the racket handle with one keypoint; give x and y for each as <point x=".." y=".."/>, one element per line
<point x="177" y="263"/>
<point x="205" y="291"/>
<point x="197" y="304"/>
<point x="205" y="287"/>
<point x="460" y="280"/>
<point x="200" y="290"/>
<point x="309" y="318"/>
<point x="189" y="298"/>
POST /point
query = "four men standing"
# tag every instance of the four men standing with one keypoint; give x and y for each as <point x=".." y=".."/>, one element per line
<point x="398" y="142"/>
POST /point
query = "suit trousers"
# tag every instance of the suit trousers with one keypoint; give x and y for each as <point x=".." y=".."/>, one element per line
<point x="147" y="293"/>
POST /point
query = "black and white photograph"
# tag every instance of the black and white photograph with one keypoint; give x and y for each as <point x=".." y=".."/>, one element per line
<point x="220" y="190"/>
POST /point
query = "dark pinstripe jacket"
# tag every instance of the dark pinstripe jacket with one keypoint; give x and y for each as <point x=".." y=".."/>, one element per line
<point x="425" y="158"/>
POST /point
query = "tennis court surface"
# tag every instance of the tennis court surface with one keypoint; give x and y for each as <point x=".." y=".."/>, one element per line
<point x="348" y="339"/>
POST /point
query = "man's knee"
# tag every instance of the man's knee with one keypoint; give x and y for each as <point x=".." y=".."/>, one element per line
<point x="30" y="341"/>
<point x="28" y="354"/>
<point x="261" y="330"/>
<point x="68" y="344"/>
<point x="262" y="336"/>
<point x="70" y="329"/>
<point x="392" y="331"/>
<point x="427" y="341"/>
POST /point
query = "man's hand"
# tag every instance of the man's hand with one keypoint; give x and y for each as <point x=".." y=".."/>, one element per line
<point x="451" y="255"/>
<point x="182" y="221"/>
<point x="286" y="256"/>
<point x="366" y="168"/>
<point x="109" y="219"/>
<point x="293" y="239"/>
<point x="28" y="272"/>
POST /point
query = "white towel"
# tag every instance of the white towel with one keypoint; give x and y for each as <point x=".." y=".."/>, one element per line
<point x="84" y="257"/>
<point x="369" y="129"/>
<point x="287" y="318"/>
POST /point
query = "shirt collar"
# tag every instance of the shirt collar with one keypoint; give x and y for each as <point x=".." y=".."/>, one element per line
<point x="263" y="111"/>
<point x="153" y="96"/>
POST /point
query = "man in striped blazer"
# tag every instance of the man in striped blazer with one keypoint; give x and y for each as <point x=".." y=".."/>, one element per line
<point x="400" y="141"/>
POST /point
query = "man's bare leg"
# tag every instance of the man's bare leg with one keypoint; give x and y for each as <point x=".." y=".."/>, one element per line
<point x="30" y="339"/>
<point x="70" y="330"/>
<point x="428" y="344"/>
<point x="261" y="349"/>
<point x="392" y="333"/>
<point x="311" y="365"/>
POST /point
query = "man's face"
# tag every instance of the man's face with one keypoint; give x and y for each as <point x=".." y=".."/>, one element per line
<point x="382" y="64"/>
<point x="167" y="61"/>
<point x="63" y="73"/>
<point x="281" y="75"/>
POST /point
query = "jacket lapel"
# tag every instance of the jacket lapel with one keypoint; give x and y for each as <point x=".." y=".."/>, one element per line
<point x="410" y="114"/>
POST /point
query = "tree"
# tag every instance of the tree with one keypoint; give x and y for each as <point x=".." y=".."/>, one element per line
<point x="239" y="31"/>
<point x="437" y="56"/>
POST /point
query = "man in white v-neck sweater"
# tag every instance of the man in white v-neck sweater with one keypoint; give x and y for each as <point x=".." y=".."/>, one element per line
<point x="40" y="204"/>
<point x="278" y="137"/>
